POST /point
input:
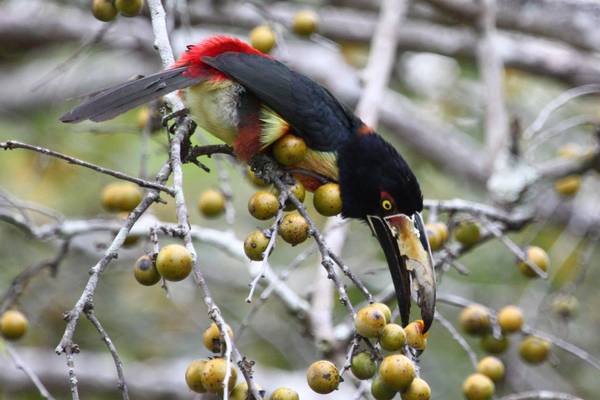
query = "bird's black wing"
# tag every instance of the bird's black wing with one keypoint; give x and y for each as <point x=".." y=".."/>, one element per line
<point x="113" y="101"/>
<point x="308" y="107"/>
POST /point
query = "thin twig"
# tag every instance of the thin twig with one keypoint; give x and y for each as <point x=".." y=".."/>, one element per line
<point x="457" y="337"/>
<point x="22" y="205"/>
<point x="28" y="371"/>
<point x="540" y="395"/>
<point x="350" y="353"/>
<point x="555" y="104"/>
<point x="272" y="234"/>
<point x="381" y="60"/>
<point x="69" y="350"/>
<point x="492" y="69"/>
<point x="515" y="249"/>
<point x="20" y="282"/>
<point x="121" y="384"/>
<point x="13" y="144"/>
<point x="458" y="301"/>
<point x="61" y="68"/>
<point x="514" y="221"/>
<point x="326" y="259"/>
<point x="266" y="293"/>
<point x="111" y="253"/>
<point x="561" y="127"/>
<point x="564" y="345"/>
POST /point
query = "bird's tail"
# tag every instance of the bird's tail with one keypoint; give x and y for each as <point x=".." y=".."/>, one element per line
<point x="113" y="101"/>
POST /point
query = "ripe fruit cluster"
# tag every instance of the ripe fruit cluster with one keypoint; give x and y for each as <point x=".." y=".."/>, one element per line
<point x="293" y="228"/>
<point x="173" y="263"/>
<point x="478" y="386"/>
<point x="204" y="375"/>
<point x="396" y="372"/>
<point x="208" y="375"/>
<point x="476" y="320"/>
<point x="107" y="10"/>
<point x="212" y="337"/>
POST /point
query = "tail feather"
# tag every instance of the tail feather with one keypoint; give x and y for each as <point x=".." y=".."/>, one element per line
<point x="113" y="101"/>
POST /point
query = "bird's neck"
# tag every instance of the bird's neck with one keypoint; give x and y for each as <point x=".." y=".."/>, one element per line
<point x="355" y="177"/>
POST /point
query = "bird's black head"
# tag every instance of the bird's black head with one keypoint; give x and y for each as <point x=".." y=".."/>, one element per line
<point x="375" y="179"/>
<point x="378" y="186"/>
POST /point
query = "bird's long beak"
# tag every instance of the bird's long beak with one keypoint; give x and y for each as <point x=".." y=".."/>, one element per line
<point x="407" y="252"/>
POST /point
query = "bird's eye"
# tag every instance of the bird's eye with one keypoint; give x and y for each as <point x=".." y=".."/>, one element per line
<point x="386" y="205"/>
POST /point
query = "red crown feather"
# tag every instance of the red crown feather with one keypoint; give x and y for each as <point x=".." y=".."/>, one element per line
<point x="212" y="47"/>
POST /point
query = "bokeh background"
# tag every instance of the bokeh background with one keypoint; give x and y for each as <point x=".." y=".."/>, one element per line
<point x="52" y="52"/>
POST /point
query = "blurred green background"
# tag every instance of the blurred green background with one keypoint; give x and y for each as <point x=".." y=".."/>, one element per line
<point x="149" y="327"/>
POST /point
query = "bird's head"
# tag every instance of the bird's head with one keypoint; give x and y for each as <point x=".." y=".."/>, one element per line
<point x="378" y="186"/>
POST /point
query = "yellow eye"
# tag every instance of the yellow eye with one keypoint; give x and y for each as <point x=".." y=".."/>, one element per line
<point x="386" y="205"/>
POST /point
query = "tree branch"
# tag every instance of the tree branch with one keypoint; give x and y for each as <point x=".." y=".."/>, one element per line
<point x="13" y="144"/>
<point x="20" y="364"/>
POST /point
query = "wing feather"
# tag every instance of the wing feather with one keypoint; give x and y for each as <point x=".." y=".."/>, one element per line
<point x="113" y="101"/>
<point x="309" y="108"/>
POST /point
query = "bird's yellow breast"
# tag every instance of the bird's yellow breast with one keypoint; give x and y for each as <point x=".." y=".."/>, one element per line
<point x="214" y="107"/>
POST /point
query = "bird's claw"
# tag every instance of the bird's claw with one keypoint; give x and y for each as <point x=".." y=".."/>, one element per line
<point x="175" y="114"/>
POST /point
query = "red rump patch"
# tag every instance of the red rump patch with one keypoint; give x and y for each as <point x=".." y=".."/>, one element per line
<point x="310" y="183"/>
<point x="247" y="143"/>
<point x="212" y="47"/>
<point x="365" y="130"/>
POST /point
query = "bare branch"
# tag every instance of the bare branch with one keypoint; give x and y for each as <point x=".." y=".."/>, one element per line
<point x="28" y="371"/>
<point x="566" y="346"/>
<point x="458" y="338"/>
<point x="540" y="395"/>
<point x="492" y="73"/>
<point x="555" y="104"/>
<point x="350" y="353"/>
<point x="272" y="287"/>
<point x="87" y="296"/>
<point x="13" y="144"/>
<point x="20" y="282"/>
<point x="272" y="235"/>
<point x="71" y="371"/>
<point x="571" y="21"/>
<point x="458" y="301"/>
<point x="514" y="220"/>
<point x="515" y="249"/>
<point x="381" y="60"/>
<point x="122" y="385"/>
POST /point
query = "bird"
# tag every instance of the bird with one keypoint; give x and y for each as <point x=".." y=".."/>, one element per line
<point x="249" y="100"/>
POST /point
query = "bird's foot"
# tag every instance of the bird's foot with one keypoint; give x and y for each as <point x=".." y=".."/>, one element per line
<point x="265" y="167"/>
<point x="176" y="114"/>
